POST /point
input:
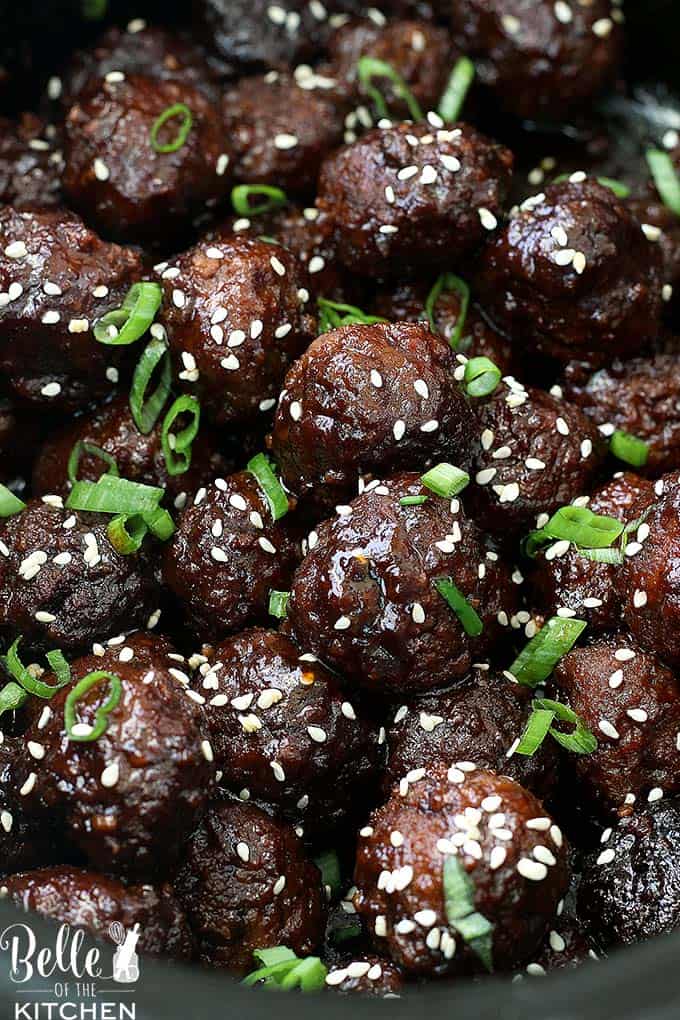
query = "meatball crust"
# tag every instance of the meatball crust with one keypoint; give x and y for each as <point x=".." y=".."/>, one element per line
<point x="369" y="398"/>
<point x="115" y="177"/>
<point x="280" y="133"/>
<point x="573" y="275"/>
<point x="631" y="884"/>
<point x="252" y="35"/>
<point x="56" y="278"/>
<point x="364" y="598"/>
<point x="478" y="722"/>
<point x="30" y="164"/>
<point x="226" y="556"/>
<point x="536" y="453"/>
<point x="367" y="974"/>
<point x="129" y="799"/>
<point x="400" y="206"/>
<point x="631" y="702"/>
<point x="63" y="585"/>
<point x="84" y="899"/>
<point x="246" y="884"/>
<point x="537" y="64"/>
<point x="236" y="316"/>
<point x="518" y="876"/>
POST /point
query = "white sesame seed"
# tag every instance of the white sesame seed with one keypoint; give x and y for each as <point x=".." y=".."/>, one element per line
<point x="532" y="870"/>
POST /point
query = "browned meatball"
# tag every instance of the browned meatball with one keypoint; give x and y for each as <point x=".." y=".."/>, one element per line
<point x="369" y="399"/>
<point x="63" y="585"/>
<point x="365" y="599"/>
<point x="283" y="731"/>
<point x="20" y="437"/>
<point x="30" y="164"/>
<point x="130" y="798"/>
<point x="409" y="196"/>
<point x="84" y="899"/>
<point x="279" y="132"/>
<point x="236" y="313"/>
<point x="226" y="556"/>
<point x="250" y="35"/>
<point x="573" y="275"/>
<point x="25" y="841"/>
<point x="536" y="453"/>
<point x="479" y="721"/>
<point x="115" y="176"/>
<point x="246" y="884"/>
<point x="539" y="58"/>
<point x="569" y="942"/>
<point x="367" y="974"/>
<point x="56" y="278"/>
<point x="513" y="854"/>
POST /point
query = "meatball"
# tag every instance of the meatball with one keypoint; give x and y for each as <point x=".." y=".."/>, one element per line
<point x="282" y="730"/>
<point x="514" y="857"/>
<point x="539" y="60"/>
<point x="25" y="841"/>
<point x="573" y="274"/>
<point x="631" y="884"/>
<point x="87" y="900"/>
<point x="368" y="398"/>
<point x="226" y="556"/>
<point x="536" y="453"/>
<point x="236" y="317"/>
<point x="479" y="721"/>
<point x="252" y="35"/>
<point x="63" y="585"/>
<point x="408" y="196"/>
<point x="568" y="943"/>
<point x="279" y="132"/>
<point x="20" y="437"/>
<point x="56" y="278"/>
<point x="368" y="975"/>
<point x="139" y="457"/>
<point x="246" y="884"/>
<point x="365" y="599"/>
<point x="30" y="164"/>
<point x="130" y="798"/>
<point x="116" y="173"/>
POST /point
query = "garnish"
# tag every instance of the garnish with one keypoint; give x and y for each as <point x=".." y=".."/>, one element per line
<point x="469" y="619"/>
<point x="665" y="177"/>
<point x="445" y="480"/>
<point x="629" y="449"/>
<point x="278" y="604"/>
<point x="275" y="198"/>
<point x="369" y="68"/>
<point x="260" y="467"/>
<point x="176" y="110"/>
<point x="124" y="325"/>
<point x="177" y="445"/>
<point x="329" y="866"/>
<point x="540" y="723"/>
<point x="12" y="696"/>
<point x="25" y="678"/>
<point x="92" y="450"/>
<point x="281" y="968"/>
<point x="481" y="377"/>
<point x="83" y="732"/>
<point x="453" y="98"/>
<point x="412" y="500"/>
<point x="454" y="284"/>
<point x="459" y="903"/>
<point x="538" y="658"/>
<point x="146" y="410"/>
<point x="575" y="524"/>
<point x="9" y="503"/>
<point x="333" y="314"/>
<point x="128" y="501"/>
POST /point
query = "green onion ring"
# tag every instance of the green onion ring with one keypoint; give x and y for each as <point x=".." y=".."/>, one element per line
<point x="9" y="503"/>
<point x="459" y="904"/>
<point x="629" y="449"/>
<point x="584" y="528"/>
<point x="16" y="668"/>
<point x="124" y="325"/>
<point x="126" y="532"/>
<point x="412" y="500"/>
<point x="536" y="730"/>
<point x="177" y="445"/>
<point x="102" y="713"/>
<point x="92" y="450"/>
<point x="12" y="696"/>
<point x="580" y="740"/>
<point x="176" y="110"/>
<point x="330" y="317"/>
<point x="260" y="467"/>
<point x="112" y="495"/>
<point x="445" y="480"/>
<point x="278" y="604"/>
<point x="454" y="284"/>
<point x="457" y="87"/>
<point x="538" y="658"/>
<point x="146" y="412"/>
<point x="481" y="377"/>
<point x="468" y="617"/>
<point x="275" y="198"/>
<point x="369" y="68"/>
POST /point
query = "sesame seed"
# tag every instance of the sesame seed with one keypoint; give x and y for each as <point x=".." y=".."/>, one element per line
<point x="487" y="218"/>
<point x="535" y="871"/>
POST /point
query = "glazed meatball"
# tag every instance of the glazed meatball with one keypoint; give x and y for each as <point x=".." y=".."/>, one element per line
<point x="479" y="721"/>
<point x="63" y="585"/>
<point x="367" y="975"/>
<point x="365" y="599"/>
<point x="279" y="133"/>
<point x="139" y="457"/>
<point x="568" y="943"/>
<point x="282" y="729"/>
<point x="631" y="884"/>
<point x="236" y="316"/>
<point x="573" y="274"/>
<point x="539" y="60"/>
<point x="130" y="798"/>
<point x="56" y="279"/>
<point x="30" y="164"/>
<point x="87" y="900"/>
<point x="408" y="196"/>
<point x="369" y="398"/>
<point x="512" y="852"/>
<point x="115" y="175"/>
<point x="25" y="841"/>
<point x="226" y="556"/>
<point x="252" y="35"/>
<point x="536" y="453"/>
<point x="20" y="438"/>
<point x="246" y="884"/>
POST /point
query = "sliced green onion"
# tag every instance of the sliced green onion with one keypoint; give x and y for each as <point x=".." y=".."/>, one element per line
<point x="534" y="541"/>
<point x="333" y="314"/>
<point x="665" y="177"/>
<point x="92" y="450"/>
<point x="12" y="696"/>
<point x="611" y="556"/>
<point x="82" y="732"/>
<point x="469" y="619"/>
<point x="481" y="377"/>
<point x="412" y="500"/>
<point x="620" y="189"/>
<point x="9" y="503"/>
<point x="445" y="480"/>
<point x="110" y="495"/>
<point x="458" y="85"/>
<point x="283" y="969"/>
<point x="278" y="604"/>
<point x="124" y="325"/>
<point x="242" y="194"/>
<point x="536" y="730"/>
<point x="126" y="532"/>
<point x="459" y="903"/>
<point x="146" y="410"/>
<point x="580" y="740"/>
<point x="454" y="284"/>
<point x="177" y="445"/>
<point x="629" y="449"/>
<point x="260" y="467"/>
<point x="328" y="864"/>
<point x="176" y="110"/>
<point x="160" y="523"/>
<point x="25" y="678"/>
<point x="581" y="526"/>
<point x="369" y="68"/>
<point x="538" y="658"/>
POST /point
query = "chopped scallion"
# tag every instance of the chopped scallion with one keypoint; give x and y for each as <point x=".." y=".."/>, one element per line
<point x="83" y="732"/>
<point x="278" y="604"/>
<point x="333" y="314"/>
<point x="283" y="969"/>
<point x="538" y="658"/>
<point x="124" y="325"/>
<point x="9" y="503"/>
<point x="481" y="377"/>
<point x="183" y="129"/>
<point x="459" y="903"/>
<point x="146" y="410"/>
<point x="468" y="617"/>
<point x="92" y="450"/>
<point x="12" y="696"/>
<point x="536" y="730"/>
<point x="274" y="198"/>
<point x="412" y="500"/>
<point x="629" y="449"/>
<point x="445" y="480"/>
<point x="665" y="177"/>
<point x="32" y="684"/>
<point x="457" y="87"/>
<point x="580" y="740"/>
<point x="260" y="467"/>
<point x="369" y="68"/>
<point x="177" y="445"/>
<point x="454" y="284"/>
